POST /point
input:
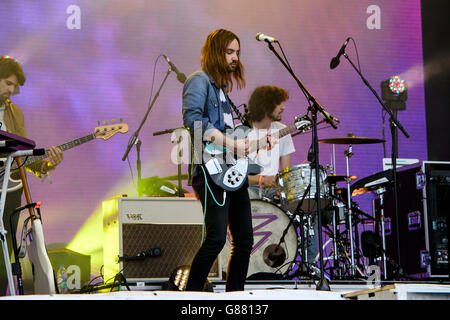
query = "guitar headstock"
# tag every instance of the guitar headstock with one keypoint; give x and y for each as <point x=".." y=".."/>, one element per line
<point x="301" y="123"/>
<point x="107" y="131"/>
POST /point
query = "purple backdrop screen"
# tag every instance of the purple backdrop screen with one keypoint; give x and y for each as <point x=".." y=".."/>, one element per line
<point x="90" y="61"/>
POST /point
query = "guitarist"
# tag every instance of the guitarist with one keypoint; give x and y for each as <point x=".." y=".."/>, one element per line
<point x="206" y="107"/>
<point x="12" y="120"/>
<point x="265" y="110"/>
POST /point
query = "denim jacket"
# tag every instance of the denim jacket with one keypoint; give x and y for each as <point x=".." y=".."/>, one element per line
<point x="202" y="105"/>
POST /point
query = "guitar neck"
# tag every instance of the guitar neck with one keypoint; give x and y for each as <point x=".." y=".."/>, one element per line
<point x="262" y="143"/>
<point x="63" y="147"/>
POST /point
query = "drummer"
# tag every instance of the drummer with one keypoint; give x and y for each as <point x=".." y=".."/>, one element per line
<point x="265" y="109"/>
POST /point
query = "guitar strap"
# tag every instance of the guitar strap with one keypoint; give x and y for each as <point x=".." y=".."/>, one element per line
<point x="242" y="118"/>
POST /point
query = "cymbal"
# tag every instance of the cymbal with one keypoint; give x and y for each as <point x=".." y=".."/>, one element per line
<point x="351" y="140"/>
<point x="359" y="191"/>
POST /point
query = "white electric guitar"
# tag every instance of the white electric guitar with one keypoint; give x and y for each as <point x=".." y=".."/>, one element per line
<point x="229" y="171"/>
<point x="101" y="132"/>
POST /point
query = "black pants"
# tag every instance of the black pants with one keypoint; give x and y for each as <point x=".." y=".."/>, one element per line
<point x="236" y="214"/>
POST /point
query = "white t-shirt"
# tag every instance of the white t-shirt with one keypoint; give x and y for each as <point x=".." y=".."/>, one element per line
<point x="227" y="116"/>
<point x="270" y="160"/>
<point x="2" y="115"/>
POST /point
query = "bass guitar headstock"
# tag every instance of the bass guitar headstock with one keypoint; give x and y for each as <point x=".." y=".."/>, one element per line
<point x="107" y="131"/>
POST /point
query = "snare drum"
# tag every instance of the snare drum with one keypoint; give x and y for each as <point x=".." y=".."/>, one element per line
<point x="295" y="180"/>
<point x="269" y="222"/>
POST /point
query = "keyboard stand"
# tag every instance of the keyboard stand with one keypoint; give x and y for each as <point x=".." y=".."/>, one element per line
<point x="11" y="146"/>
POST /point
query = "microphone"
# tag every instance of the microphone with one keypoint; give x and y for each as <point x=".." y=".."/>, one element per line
<point x="335" y="61"/>
<point x="180" y="76"/>
<point x="332" y="117"/>
<point x="262" y="37"/>
<point x="153" y="252"/>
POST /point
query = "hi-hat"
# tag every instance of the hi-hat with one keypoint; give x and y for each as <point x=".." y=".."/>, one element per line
<point x="351" y="140"/>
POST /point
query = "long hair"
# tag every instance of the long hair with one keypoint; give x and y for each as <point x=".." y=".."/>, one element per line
<point x="263" y="101"/>
<point x="213" y="61"/>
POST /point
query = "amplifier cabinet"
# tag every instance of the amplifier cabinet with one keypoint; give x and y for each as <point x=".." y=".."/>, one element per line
<point x="407" y="247"/>
<point x="436" y="193"/>
<point x="135" y="225"/>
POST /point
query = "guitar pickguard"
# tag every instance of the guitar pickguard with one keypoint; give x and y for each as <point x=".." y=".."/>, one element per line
<point x="235" y="175"/>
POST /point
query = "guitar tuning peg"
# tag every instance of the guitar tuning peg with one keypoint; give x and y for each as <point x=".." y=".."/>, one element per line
<point x="105" y="122"/>
<point x="98" y="123"/>
<point x="120" y="120"/>
<point x="113" y="121"/>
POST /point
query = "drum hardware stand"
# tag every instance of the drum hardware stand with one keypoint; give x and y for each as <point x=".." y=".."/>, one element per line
<point x="348" y="153"/>
<point x="305" y="265"/>
<point x="314" y="107"/>
<point x="380" y="192"/>
<point x="394" y="124"/>
<point x="334" y="224"/>
<point x="298" y="212"/>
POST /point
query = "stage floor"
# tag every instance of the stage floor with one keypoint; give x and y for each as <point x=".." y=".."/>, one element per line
<point x="265" y="290"/>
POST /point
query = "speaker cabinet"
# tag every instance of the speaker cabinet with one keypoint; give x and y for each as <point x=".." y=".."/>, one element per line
<point x="423" y="213"/>
<point x="132" y="226"/>
<point x="407" y="247"/>
<point x="436" y="194"/>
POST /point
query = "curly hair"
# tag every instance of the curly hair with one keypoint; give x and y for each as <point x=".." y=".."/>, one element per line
<point x="213" y="62"/>
<point x="263" y="101"/>
<point x="10" y="66"/>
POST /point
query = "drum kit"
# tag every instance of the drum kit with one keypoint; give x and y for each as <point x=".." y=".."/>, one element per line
<point x="285" y="227"/>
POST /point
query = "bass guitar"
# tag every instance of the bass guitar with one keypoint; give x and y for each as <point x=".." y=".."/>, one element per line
<point x="102" y="132"/>
<point x="229" y="171"/>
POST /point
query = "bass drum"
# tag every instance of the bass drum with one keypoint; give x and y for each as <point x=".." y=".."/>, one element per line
<point x="269" y="223"/>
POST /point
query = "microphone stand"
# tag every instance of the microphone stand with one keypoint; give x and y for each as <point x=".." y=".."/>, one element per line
<point x="394" y="124"/>
<point x="138" y="166"/>
<point x="304" y="267"/>
<point x="134" y="139"/>
<point x="298" y="212"/>
<point x="178" y="140"/>
<point x="314" y="108"/>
